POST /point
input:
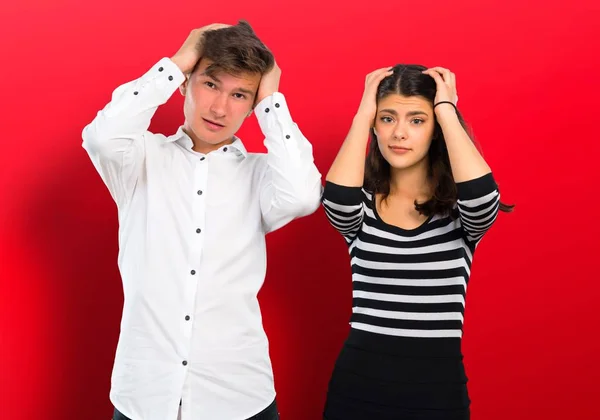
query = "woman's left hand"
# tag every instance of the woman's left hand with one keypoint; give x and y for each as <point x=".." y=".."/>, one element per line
<point x="445" y="82"/>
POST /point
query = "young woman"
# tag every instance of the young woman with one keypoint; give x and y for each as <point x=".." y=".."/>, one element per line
<point x="412" y="216"/>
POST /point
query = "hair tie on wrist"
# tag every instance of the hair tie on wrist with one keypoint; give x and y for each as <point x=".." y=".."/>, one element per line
<point x="446" y="102"/>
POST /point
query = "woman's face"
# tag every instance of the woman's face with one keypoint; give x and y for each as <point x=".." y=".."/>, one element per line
<point x="404" y="127"/>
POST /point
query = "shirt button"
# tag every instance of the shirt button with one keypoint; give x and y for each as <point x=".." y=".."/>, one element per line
<point x="135" y="93"/>
<point x="267" y="110"/>
<point x="160" y="69"/>
<point x="187" y="317"/>
<point x="199" y="192"/>
<point x="202" y="158"/>
<point x="276" y="105"/>
<point x="198" y="230"/>
<point x="287" y="136"/>
<point x="170" y="77"/>
<point x="184" y="363"/>
<point x="193" y="272"/>
<point x="225" y="149"/>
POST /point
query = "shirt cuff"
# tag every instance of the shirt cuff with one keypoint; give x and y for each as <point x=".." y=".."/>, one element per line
<point x="273" y="113"/>
<point x="164" y="77"/>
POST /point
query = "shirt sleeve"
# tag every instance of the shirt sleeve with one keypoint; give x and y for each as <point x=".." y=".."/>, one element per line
<point x="115" y="139"/>
<point x="478" y="205"/>
<point x="344" y="209"/>
<point x="291" y="186"/>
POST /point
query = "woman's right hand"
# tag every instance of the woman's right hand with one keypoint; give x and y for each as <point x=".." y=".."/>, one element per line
<point x="368" y="104"/>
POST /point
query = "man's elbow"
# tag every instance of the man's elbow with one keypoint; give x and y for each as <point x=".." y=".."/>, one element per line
<point x="309" y="200"/>
<point x="92" y="142"/>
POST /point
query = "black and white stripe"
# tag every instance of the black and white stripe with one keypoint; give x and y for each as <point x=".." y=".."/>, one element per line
<point x="411" y="283"/>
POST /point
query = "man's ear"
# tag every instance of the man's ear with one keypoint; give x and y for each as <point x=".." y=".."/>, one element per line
<point x="183" y="86"/>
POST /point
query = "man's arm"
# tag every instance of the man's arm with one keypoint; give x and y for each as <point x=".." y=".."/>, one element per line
<point x="291" y="187"/>
<point x="115" y="139"/>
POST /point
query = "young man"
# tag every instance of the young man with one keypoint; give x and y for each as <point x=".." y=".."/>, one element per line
<point x="194" y="209"/>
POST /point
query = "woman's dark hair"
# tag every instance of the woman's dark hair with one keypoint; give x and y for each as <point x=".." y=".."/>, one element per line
<point x="408" y="80"/>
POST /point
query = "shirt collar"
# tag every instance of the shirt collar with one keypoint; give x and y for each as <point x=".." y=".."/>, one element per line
<point x="237" y="146"/>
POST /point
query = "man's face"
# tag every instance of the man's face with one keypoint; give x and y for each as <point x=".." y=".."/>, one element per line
<point x="215" y="107"/>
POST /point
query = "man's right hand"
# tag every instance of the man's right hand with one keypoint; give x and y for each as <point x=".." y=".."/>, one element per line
<point x="191" y="50"/>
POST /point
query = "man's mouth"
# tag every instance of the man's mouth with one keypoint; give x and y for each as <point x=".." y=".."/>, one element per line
<point x="212" y="125"/>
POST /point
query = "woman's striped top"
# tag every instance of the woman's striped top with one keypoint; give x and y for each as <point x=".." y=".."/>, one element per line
<point x="411" y="283"/>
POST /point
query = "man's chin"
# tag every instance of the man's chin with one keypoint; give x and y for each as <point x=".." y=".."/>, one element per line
<point x="213" y="138"/>
<point x="217" y="141"/>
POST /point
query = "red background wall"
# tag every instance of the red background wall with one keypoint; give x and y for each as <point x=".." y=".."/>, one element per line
<point x="528" y="84"/>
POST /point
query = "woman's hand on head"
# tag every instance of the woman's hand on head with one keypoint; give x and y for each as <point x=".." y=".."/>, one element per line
<point x="368" y="104"/>
<point x="445" y="82"/>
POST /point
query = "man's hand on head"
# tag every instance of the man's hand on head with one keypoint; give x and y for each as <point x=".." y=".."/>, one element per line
<point x="191" y="51"/>
<point x="269" y="83"/>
